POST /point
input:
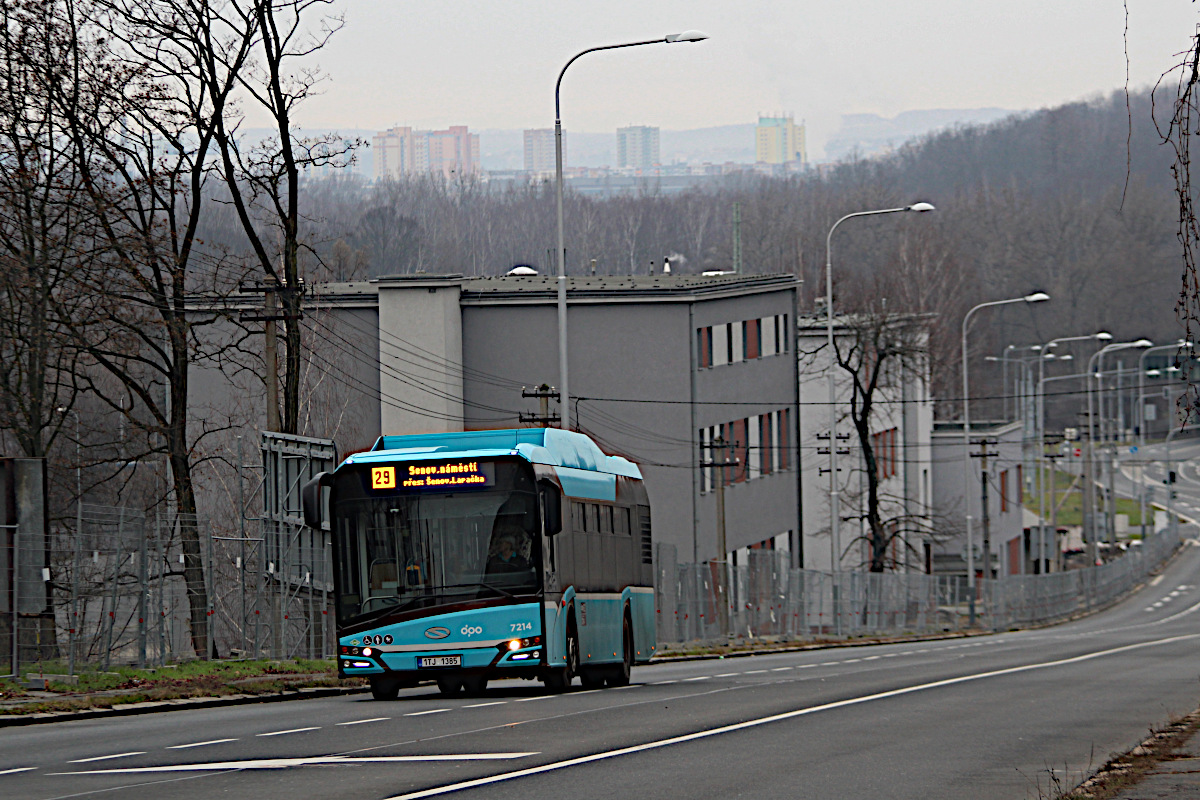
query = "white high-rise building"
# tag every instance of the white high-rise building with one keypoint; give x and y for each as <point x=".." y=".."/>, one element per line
<point x="539" y="150"/>
<point x="637" y="147"/>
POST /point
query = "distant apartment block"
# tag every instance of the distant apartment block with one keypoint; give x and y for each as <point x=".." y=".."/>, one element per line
<point x="404" y="151"/>
<point x="539" y="150"/>
<point x="637" y="147"/>
<point x="779" y="140"/>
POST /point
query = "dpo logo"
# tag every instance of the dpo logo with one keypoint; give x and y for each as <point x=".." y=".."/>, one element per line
<point x="471" y="630"/>
<point x="437" y="633"/>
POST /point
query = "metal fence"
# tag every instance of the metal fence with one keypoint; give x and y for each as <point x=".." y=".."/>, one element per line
<point x="766" y="598"/>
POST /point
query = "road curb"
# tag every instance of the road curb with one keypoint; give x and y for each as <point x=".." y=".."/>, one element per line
<point x="183" y="703"/>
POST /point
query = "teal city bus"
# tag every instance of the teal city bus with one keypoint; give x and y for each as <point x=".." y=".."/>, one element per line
<point x="465" y="557"/>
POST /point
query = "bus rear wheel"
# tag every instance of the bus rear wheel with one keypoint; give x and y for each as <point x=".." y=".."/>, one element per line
<point x="384" y="688"/>
<point x="619" y="675"/>
<point x="475" y="685"/>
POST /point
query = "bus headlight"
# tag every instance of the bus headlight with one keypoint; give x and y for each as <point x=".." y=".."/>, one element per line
<point x="514" y="644"/>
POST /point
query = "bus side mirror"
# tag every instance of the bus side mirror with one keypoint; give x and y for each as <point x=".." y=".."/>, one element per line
<point x="551" y="507"/>
<point x="313" y="501"/>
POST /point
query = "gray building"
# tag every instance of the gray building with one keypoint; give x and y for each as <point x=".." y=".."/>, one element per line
<point x="661" y="367"/>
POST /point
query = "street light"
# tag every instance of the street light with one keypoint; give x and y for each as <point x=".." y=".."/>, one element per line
<point x="1143" y="373"/>
<point x="1036" y="297"/>
<point x="834" y="494"/>
<point x="1100" y="336"/>
<point x="1094" y="363"/>
<point x="564" y="391"/>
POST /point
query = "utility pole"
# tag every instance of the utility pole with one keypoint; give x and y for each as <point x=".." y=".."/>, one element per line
<point x="719" y="462"/>
<point x="737" y="238"/>
<point x="544" y="419"/>
<point x="1089" y="502"/>
<point x="1052" y="458"/>
<point x="985" y="519"/>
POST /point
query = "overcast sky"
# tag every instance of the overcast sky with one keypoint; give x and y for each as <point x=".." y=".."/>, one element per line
<point x="492" y="63"/>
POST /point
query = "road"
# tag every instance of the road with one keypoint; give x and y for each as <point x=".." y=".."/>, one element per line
<point x="1002" y="716"/>
<point x="1185" y="460"/>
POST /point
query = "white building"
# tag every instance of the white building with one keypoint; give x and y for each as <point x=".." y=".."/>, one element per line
<point x="637" y="148"/>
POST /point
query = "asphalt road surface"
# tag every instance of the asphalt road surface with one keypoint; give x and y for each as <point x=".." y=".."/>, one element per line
<point x="1014" y="715"/>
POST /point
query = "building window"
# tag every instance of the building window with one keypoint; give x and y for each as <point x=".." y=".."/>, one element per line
<point x="1020" y="485"/>
<point x="751" y="340"/>
<point x="767" y="451"/>
<point x="1003" y="491"/>
<point x="704" y="342"/>
<point x="784" y="433"/>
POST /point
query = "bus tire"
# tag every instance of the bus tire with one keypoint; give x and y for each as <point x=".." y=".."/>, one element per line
<point x="619" y="676"/>
<point x="475" y="685"/>
<point x="384" y="688"/>
<point x="449" y="685"/>
<point x="592" y="677"/>
<point x="558" y="679"/>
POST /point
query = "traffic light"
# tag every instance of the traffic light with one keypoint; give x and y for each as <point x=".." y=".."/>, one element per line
<point x="1171" y="476"/>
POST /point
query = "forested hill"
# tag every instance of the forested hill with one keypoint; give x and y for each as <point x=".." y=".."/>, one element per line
<point x="1075" y="200"/>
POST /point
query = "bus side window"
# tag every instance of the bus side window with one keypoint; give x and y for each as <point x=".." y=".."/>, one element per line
<point x="621" y="521"/>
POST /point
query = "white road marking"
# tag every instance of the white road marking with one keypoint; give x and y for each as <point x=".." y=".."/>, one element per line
<point x="668" y="683"/>
<point x="364" y="721"/>
<point x="484" y="705"/>
<point x="16" y="769"/>
<point x="506" y="776"/>
<point x="754" y="671"/>
<point x="892" y="655"/>
<point x="199" y="744"/>
<point x="727" y="675"/>
<point x="531" y="699"/>
<point x="781" y="669"/>
<point x="284" y="763"/>
<point x="806" y="666"/>
<point x="829" y="663"/>
<point x="852" y="660"/>
<point x="291" y="730"/>
<point x="870" y="658"/>
<point x="430" y="711"/>
<point x="105" y="758"/>
<point x="697" y="678"/>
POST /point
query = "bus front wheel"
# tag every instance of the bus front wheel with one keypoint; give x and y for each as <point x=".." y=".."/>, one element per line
<point x="383" y="688"/>
<point x="449" y="685"/>
<point x="559" y="679"/>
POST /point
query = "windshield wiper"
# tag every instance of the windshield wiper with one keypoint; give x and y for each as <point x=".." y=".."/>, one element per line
<point x="495" y="589"/>
<point x="383" y="612"/>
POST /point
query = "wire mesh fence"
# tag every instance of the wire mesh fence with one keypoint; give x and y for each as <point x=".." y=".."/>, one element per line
<point x="135" y="590"/>
<point x="766" y="598"/>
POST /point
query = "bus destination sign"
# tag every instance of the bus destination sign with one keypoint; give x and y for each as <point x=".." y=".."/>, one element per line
<point x="435" y="475"/>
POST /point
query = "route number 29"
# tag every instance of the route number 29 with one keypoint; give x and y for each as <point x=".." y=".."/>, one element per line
<point x="522" y="626"/>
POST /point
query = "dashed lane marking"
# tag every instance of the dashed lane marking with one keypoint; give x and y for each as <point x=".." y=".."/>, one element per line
<point x="430" y="711"/>
<point x="15" y="769"/>
<point x="364" y="721"/>
<point x="199" y="744"/>
<point x="727" y="675"/>
<point x="290" y="730"/>
<point x="484" y="705"/>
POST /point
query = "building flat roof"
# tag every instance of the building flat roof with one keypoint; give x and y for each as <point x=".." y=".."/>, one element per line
<point x="544" y="288"/>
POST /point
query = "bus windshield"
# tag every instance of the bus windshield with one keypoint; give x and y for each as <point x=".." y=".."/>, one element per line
<point x="407" y="550"/>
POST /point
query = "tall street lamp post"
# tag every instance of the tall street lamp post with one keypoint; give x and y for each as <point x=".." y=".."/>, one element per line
<point x="1094" y="363"/>
<point x="563" y="388"/>
<point x="834" y="494"/>
<point x="1182" y="344"/>
<point x="1101" y="336"/>
<point x="1036" y="297"/>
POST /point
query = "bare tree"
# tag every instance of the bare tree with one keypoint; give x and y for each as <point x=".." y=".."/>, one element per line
<point x="45" y="228"/>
